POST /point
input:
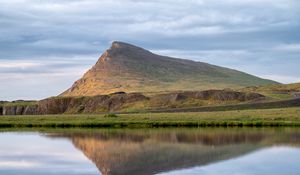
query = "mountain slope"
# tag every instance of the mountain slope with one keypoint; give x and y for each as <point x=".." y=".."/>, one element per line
<point x="124" y="67"/>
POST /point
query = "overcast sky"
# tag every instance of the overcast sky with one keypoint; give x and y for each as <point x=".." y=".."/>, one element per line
<point x="45" y="45"/>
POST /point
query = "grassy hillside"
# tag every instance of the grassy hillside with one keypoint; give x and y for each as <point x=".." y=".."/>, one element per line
<point x="128" y="68"/>
<point x="277" y="91"/>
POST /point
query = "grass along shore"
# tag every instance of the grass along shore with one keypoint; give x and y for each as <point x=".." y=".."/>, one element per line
<point x="259" y="117"/>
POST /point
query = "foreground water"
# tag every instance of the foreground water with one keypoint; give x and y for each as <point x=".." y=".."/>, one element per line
<point x="210" y="151"/>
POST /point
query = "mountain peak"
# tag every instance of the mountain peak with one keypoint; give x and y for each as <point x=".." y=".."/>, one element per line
<point x="129" y="68"/>
<point x="124" y="46"/>
<point x="119" y="44"/>
<point x="119" y="48"/>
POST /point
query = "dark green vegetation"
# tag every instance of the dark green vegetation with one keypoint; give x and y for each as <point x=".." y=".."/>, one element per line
<point x="266" y="117"/>
<point x="128" y="68"/>
<point x="111" y="115"/>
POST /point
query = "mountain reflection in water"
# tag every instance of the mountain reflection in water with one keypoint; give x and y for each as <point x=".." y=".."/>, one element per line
<point x="120" y="152"/>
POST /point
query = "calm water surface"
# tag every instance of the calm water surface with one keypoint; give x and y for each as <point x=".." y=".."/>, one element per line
<point x="210" y="151"/>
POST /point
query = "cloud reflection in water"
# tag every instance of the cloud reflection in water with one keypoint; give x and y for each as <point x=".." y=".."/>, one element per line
<point x="32" y="154"/>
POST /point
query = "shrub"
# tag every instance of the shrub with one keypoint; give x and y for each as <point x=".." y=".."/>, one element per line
<point x="110" y="115"/>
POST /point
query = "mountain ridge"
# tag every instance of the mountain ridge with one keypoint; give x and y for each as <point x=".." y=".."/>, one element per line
<point x="129" y="68"/>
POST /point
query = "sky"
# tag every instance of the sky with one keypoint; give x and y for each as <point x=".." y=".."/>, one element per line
<point x="45" y="45"/>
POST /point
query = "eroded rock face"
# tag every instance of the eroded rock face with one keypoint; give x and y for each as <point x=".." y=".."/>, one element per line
<point x="100" y="103"/>
<point x="220" y="95"/>
<point x="19" y="110"/>
<point x="223" y="95"/>
<point x="9" y="110"/>
<point x="30" y="110"/>
<point x="54" y="105"/>
<point x="116" y="101"/>
<point x="208" y="97"/>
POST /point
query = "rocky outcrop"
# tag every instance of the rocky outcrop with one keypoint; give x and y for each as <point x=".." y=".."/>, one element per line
<point x="202" y="98"/>
<point x="122" y="101"/>
<point x="222" y="95"/>
<point x="30" y="110"/>
<point x="100" y="103"/>
<point x="54" y="105"/>
<point x="19" y="110"/>
<point x="219" y="95"/>
<point x="297" y="94"/>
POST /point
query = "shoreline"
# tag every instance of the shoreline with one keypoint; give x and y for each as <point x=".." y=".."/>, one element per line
<point x="280" y="117"/>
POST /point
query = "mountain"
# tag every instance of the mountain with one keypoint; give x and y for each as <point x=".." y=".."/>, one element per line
<point x="128" y="68"/>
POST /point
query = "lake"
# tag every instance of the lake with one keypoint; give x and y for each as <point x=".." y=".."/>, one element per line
<point x="205" y="151"/>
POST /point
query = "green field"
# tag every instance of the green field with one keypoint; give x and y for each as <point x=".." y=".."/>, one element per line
<point x="262" y="117"/>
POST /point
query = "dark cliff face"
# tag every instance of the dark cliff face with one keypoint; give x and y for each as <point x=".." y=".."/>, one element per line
<point x="216" y="95"/>
<point x="18" y="107"/>
<point x="53" y="105"/>
<point x="96" y="104"/>
<point x="19" y="110"/>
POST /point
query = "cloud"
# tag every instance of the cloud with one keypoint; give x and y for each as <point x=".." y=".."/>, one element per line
<point x="289" y="47"/>
<point x="16" y="64"/>
<point x="46" y="65"/>
<point x="41" y="78"/>
<point x="282" y="79"/>
<point x="18" y="164"/>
